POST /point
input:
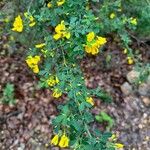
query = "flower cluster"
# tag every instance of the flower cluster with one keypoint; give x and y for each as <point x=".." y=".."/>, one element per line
<point x="52" y="80"/>
<point x="64" y="141"/>
<point x="94" y="43"/>
<point x="18" y="24"/>
<point x="32" y="62"/>
<point x="30" y="18"/>
<point x="61" y="31"/>
<point x="57" y="93"/>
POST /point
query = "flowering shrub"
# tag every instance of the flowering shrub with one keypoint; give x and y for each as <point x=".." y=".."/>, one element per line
<point x="62" y="33"/>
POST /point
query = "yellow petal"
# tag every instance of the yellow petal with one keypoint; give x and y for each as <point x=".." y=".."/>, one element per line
<point x="112" y="15"/>
<point x="49" y="5"/>
<point x="55" y="139"/>
<point x="133" y="21"/>
<point x="32" y="24"/>
<point x="36" y="69"/>
<point x="130" y="60"/>
<point x="60" y="2"/>
<point x="119" y="145"/>
<point x="57" y="36"/>
<point x="60" y="27"/>
<point x="67" y="35"/>
<point x="40" y="45"/>
<point x="125" y="51"/>
<point x="18" y="24"/>
<point x="64" y="141"/>
<point x="57" y="93"/>
<point x="101" y="40"/>
<point x="90" y="100"/>
<point x="90" y="36"/>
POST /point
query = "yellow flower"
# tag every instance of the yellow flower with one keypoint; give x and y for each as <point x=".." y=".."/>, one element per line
<point x="36" y="69"/>
<point x="32" y="24"/>
<point x="133" y="21"/>
<point x="92" y="47"/>
<point x="113" y="137"/>
<point x="130" y="60"/>
<point x="61" y="31"/>
<point x="53" y="80"/>
<point x="55" y="139"/>
<point x="90" y="100"/>
<point x="28" y="16"/>
<point x="32" y="62"/>
<point x="101" y="40"/>
<point x="18" y="24"/>
<point x="49" y="5"/>
<point x="90" y="36"/>
<point x="64" y="141"/>
<point x="31" y="19"/>
<point x="57" y="93"/>
<point x="112" y="15"/>
<point x="60" y="2"/>
<point x="119" y="145"/>
<point x="125" y="51"/>
<point x="67" y="35"/>
<point x="40" y="45"/>
<point x="60" y="27"/>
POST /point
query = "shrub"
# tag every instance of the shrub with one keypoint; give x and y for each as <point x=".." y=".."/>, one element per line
<point x="59" y="34"/>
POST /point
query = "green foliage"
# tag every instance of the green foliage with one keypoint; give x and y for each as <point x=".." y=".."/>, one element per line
<point x="140" y="9"/>
<point x="8" y="95"/>
<point x="144" y="70"/>
<point x="104" y="117"/>
<point x="63" y="31"/>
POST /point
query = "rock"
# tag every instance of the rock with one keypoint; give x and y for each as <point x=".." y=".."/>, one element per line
<point x="126" y="88"/>
<point x="144" y="89"/>
<point x="146" y="101"/>
<point x="132" y="76"/>
<point x="140" y="126"/>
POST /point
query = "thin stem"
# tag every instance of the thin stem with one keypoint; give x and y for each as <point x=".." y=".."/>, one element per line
<point x="30" y="5"/>
<point x="87" y="130"/>
<point x="86" y="127"/>
<point x="64" y="57"/>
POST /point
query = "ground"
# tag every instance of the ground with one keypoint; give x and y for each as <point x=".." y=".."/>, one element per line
<point x="27" y="125"/>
